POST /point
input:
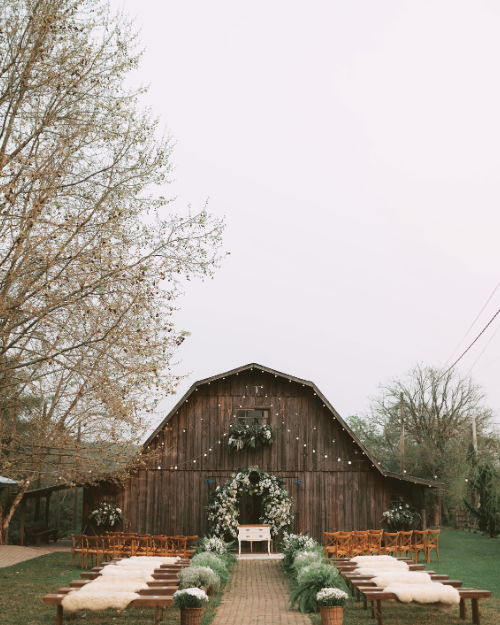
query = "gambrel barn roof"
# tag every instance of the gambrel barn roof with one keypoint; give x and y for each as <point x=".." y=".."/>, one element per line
<point x="291" y="378"/>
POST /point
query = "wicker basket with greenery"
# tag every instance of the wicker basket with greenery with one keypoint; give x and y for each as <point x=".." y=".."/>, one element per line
<point x="331" y="602"/>
<point x="191" y="602"/>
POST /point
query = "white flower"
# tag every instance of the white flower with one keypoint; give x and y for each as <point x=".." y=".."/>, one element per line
<point x="196" y="592"/>
<point x="330" y="593"/>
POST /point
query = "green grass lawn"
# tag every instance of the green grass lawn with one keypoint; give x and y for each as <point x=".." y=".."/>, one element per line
<point x="23" y="585"/>
<point x="471" y="558"/>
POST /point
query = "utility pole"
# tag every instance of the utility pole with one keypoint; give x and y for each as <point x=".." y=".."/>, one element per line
<point x="474" y="433"/>
<point x="402" y="410"/>
<point x="75" y="490"/>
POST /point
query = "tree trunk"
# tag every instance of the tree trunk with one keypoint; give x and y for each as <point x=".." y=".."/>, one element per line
<point x="7" y="515"/>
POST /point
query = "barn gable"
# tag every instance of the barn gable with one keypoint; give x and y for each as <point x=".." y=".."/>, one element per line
<point x="257" y="376"/>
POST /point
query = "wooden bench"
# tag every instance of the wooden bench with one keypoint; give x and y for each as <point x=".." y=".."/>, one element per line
<point x="39" y="530"/>
<point x="377" y="595"/>
<point x="159" y="602"/>
<point x="357" y="586"/>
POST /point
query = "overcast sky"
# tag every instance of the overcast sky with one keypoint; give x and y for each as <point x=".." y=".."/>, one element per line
<point x="354" y="148"/>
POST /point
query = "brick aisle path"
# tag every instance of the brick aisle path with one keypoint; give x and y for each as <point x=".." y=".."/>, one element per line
<point x="12" y="554"/>
<point x="258" y="595"/>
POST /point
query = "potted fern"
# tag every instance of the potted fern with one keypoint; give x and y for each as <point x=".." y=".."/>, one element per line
<point x="331" y="602"/>
<point x="310" y="580"/>
<point x="190" y="602"/>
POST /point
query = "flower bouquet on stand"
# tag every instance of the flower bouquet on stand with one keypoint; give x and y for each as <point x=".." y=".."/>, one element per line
<point x="331" y="602"/>
<point x="190" y="602"/>
<point x="106" y="516"/>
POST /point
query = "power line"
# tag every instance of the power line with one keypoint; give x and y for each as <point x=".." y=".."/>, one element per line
<point x="473" y="323"/>
<point x="474" y="341"/>
<point x="485" y="347"/>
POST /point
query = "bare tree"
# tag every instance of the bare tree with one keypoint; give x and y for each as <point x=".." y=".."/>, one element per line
<point x="90" y="257"/>
<point x="439" y="406"/>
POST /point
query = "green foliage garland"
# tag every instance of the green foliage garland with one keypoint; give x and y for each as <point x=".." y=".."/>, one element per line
<point x="254" y="436"/>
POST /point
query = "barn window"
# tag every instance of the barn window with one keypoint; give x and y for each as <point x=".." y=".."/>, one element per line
<point x="249" y="417"/>
<point x="397" y="499"/>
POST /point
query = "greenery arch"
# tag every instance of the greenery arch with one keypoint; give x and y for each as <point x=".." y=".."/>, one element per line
<point x="223" y="506"/>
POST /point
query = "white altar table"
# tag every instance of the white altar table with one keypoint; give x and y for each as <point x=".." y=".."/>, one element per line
<point x="254" y="533"/>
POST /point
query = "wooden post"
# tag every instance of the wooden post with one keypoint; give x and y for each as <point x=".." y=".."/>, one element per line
<point x="58" y="504"/>
<point x="47" y="509"/>
<point x="37" y="508"/>
<point x="424" y="519"/>
<point x="402" y="410"/>
<point x="75" y="508"/>
<point x="23" y="517"/>
<point x="437" y="511"/>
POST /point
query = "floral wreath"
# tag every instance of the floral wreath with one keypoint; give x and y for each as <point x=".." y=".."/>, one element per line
<point x="223" y="506"/>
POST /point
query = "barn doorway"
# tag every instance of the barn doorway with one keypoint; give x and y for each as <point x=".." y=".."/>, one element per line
<point x="251" y="505"/>
<point x="250" y="513"/>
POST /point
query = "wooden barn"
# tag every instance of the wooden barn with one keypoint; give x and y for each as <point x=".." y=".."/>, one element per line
<point x="335" y="483"/>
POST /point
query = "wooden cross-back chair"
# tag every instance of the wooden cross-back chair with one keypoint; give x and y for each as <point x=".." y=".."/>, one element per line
<point x="142" y="546"/>
<point x="432" y="543"/>
<point x="178" y="546"/>
<point x="344" y="545"/>
<point x="391" y="543"/>
<point x="375" y="541"/>
<point x="79" y="546"/>
<point x="191" y="545"/>
<point x="110" y="548"/>
<point x="359" y="544"/>
<point x="160" y="546"/>
<point x="94" y="548"/>
<point x="330" y="543"/>
<point x="125" y="545"/>
<point x="405" y="543"/>
<point x="419" y="544"/>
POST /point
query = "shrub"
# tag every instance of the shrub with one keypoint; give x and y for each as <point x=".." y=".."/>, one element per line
<point x="198" y="577"/>
<point x="293" y="543"/>
<point x="190" y="598"/>
<point x="331" y="597"/>
<point x="304" y="559"/>
<point x="213" y="561"/>
<point x="317" y="577"/>
<point x="216" y="545"/>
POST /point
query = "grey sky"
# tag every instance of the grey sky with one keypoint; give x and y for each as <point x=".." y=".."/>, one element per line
<point x="354" y="149"/>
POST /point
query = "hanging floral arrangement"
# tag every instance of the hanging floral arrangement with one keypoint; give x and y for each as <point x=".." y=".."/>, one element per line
<point x="401" y="515"/>
<point x="223" y="507"/>
<point x="255" y="435"/>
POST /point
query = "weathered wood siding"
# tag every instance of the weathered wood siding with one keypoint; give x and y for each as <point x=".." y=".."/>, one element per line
<point x="346" y="494"/>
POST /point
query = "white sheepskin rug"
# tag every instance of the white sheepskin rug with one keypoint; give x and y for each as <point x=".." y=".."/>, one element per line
<point x="118" y="579"/>
<point x="443" y="597"/>
<point x="367" y="567"/>
<point x="145" y="575"/>
<point x="145" y="566"/>
<point x="97" y="600"/>
<point x="146" y="560"/>
<point x="364" y="559"/>
<point x="101" y="585"/>
<point x="389" y="579"/>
